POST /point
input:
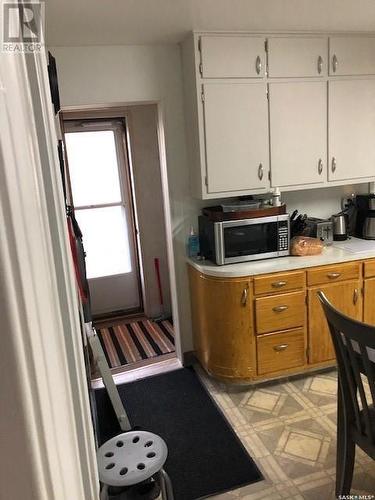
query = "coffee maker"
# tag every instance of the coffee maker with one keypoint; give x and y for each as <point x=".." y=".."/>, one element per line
<point x="365" y="221"/>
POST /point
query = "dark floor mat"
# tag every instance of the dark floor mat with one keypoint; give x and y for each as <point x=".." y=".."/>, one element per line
<point x="205" y="456"/>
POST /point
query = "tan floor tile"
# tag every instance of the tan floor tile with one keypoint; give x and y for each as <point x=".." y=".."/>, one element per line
<point x="289" y="429"/>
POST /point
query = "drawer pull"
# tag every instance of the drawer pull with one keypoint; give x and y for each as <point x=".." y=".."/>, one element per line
<point x="260" y="171"/>
<point x="244" y="296"/>
<point x="334" y="63"/>
<point x="280" y="347"/>
<point x="320" y="64"/>
<point x="258" y="65"/>
<point x="333" y="276"/>
<point x="355" y="296"/>
<point x="278" y="284"/>
<point x="279" y="309"/>
<point x="320" y="166"/>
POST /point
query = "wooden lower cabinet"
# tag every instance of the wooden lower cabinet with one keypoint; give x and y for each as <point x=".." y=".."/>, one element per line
<point x="249" y="329"/>
<point x="222" y="313"/>
<point x="347" y="298"/>
<point x="369" y="301"/>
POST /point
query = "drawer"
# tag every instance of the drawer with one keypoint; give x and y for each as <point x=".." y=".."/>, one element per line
<point x="279" y="282"/>
<point x="280" y="312"/>
<point x="332" y="274"/>
<point x="280" y="351"/>
<point x="369" y="269"/>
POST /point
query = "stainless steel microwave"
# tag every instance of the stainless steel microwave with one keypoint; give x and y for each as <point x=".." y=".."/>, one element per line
<point x="244" y="240"/>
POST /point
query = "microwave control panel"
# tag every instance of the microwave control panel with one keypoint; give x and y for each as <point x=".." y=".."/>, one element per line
<point x="283" y="229"/>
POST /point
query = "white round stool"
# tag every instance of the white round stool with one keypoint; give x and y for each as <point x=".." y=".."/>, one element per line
<point x="133" y="457"/>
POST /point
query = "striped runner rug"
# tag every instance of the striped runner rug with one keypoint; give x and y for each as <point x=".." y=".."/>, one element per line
<point x="131" y="342"/>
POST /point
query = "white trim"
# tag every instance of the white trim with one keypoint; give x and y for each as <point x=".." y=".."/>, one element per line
<point x="169" y="231"/>
<point x="47" y="447"/>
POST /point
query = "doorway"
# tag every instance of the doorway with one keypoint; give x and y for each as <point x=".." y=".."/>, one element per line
<point x="114" y="169"/>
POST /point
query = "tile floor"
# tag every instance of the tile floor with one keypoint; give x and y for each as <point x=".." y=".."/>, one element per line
<point x="289" y="428"/>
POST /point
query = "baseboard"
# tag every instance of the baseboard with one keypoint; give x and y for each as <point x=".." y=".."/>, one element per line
<point x="189" y="358"/>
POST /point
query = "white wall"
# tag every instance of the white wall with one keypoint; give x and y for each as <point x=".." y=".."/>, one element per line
<point x="123" y="74"/>
<point x="150" y="207"/>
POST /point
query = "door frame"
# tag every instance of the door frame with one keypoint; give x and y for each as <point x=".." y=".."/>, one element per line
<point x="43" y="369"/>
<point x="123" y="110"/>
<point x="126" y="184"/>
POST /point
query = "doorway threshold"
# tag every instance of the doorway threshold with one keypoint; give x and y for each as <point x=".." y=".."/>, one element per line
<point x="142" y="369"/>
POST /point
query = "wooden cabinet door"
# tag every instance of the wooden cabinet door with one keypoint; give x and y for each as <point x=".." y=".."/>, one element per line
<point x="297" y="56"/>
<point x="351" y="122"/>
<point x="236" y="137"/>
<point x="347" y="298"/>
<point x="223" y="325"/>
<point x="233" y="56"/>
<point x="298" y="133"/>
<point x="369" y="301"/>
<point x="353" y="55"/>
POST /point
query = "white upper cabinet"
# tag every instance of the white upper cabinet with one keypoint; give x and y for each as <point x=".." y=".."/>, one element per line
<point x="352" y="55"/>
<point x="297" y="57"/>
<point x="298" y="133"/>
<point x="232" y="56"/>
<point x="236" y="137"/>
<point x="351" y="129"/>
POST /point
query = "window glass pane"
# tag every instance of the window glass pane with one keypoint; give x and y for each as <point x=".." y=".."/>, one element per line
<point x="106" y="241"/>
<point x="93" y="167"/>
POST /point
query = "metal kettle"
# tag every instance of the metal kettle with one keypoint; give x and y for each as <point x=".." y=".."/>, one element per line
<point x="340" y="229"/>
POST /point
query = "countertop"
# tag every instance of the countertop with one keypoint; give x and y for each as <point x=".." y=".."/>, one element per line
<point x="340" y="251"/>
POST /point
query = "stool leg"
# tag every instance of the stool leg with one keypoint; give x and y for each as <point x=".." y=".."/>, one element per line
<point x="166" y="486"/>
<point x="104" y="493"/>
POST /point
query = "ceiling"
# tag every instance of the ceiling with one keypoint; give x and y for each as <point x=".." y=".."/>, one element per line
<point x="112" y="22"/>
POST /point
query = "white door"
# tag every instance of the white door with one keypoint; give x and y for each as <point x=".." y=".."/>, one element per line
<point x="351" y="123"/>
<point x="236" y="135"/>
<point x="354" y="55"/>
<point x="233" y="56"/>
<point x="298" y="133"/>
<point x="297" y="56"/>
<point x="102" y="200"/>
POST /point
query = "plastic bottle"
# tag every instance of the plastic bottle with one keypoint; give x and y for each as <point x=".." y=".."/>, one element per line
<point x="193" y="244"/>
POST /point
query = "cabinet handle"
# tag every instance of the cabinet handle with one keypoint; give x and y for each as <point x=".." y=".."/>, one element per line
<point x="260" y="171"/>
<point x="355" y="296"/>
<point x="333" y="276"/>
<point x="320" y="64"/>
<point x="333" y="165"/>
<point x="278" y="284"/>
<point x="279" y="309"/>
<point x="245" y="294"/>
<point x="320" y="166"/>
<point x="280" y="347"/>
<point x="334" y="63"/>
<point x="258" y="65"/>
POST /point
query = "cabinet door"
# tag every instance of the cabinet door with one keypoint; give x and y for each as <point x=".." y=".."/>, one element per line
<point x="297" y="57"/>
<point x="351" y="133"/>
<point x="223" y="325"/>
<point x="369" y="301"/>
<point x="298" y="132"/>
<point x="352" y="55"/>
<point x="236" y="133"/>
<point x="347" y="298"/>
<point x="233" y="56"/>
